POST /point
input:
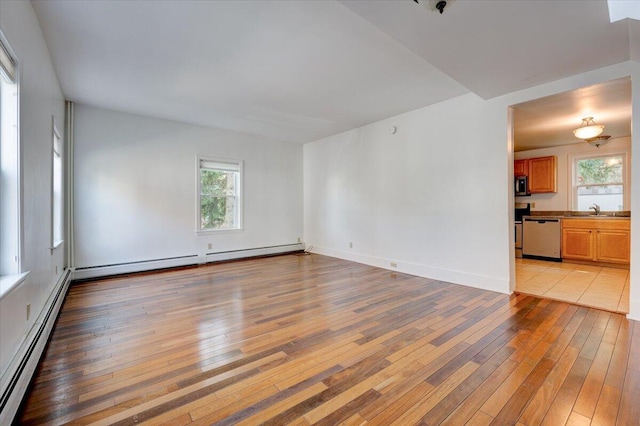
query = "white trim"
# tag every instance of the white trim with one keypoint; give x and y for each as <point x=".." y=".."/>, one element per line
<point x="128" y="268"/>
<point x="8" y="283"/>
<point x="263" y="251"/>
<point x="455" y="277"/>
<point x="192" y="260"/>
<point x="240" y="192"/>
<point x="22" y="366"/>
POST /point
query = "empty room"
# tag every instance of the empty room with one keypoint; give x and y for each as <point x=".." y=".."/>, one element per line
<point x="319" y="212"/>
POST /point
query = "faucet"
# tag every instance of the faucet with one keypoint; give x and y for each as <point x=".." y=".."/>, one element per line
<point x="596" y="208"/>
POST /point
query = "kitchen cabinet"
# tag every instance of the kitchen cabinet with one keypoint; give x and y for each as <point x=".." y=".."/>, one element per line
<point x="521" y="168"/>
<point x="600" y="240"/>
<point x="542" y="175"/>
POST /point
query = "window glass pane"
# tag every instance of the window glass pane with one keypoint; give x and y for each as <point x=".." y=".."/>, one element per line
<point x="219" y="196"/>
<point x="608" y="197"/>
<point x="600" y="170"/>
<point x="9" y="177"/>
<point x="600" y="180"/>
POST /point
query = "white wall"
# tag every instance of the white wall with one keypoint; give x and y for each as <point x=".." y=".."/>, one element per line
<point x="40" y="98"/>
<point x="135" y="184"/>
<point x="431" y="198"/>
<point x="437" y="197"/>
<point x="561" y="200"/>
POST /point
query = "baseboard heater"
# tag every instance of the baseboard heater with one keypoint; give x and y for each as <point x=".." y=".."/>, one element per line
<point x="25" y="362"/>
<point x="175" y="262"/>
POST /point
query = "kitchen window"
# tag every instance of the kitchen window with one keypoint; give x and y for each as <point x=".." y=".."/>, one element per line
<point x="219" y="195"/>
<point x="600" y="180"/>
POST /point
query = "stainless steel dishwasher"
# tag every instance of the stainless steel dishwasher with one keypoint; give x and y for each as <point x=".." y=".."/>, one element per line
<point x="541" y="238"/>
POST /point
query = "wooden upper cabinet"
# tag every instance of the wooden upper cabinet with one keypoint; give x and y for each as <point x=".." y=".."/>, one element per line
<point x="542" y="175"/>
<point x="521" y="168"/>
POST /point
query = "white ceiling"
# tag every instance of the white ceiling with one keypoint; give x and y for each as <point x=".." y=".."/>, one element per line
<point x="298" y="71"/>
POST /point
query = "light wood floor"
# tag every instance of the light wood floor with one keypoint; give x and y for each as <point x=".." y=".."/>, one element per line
<point x="587" y="285"/>
<point x="315" y="340"/>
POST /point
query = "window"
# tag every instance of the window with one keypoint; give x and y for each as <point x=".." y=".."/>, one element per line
<point x="600" y="180"/>
<point x="9" y="164"/>
<point x="56" y="188"/>
<point x="219" y="194"/>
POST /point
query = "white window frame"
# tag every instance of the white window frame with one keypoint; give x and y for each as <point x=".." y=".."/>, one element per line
<point x="11" y="273"/>
<point x="57" y="195"/>
<point x="239" y="164"/>
<point x="626" y="196"/>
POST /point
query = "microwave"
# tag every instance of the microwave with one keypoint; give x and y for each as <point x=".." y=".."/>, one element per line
<point x="522" y="186"/>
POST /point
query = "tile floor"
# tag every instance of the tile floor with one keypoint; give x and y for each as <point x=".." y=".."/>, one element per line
<point x="587" y="285"/>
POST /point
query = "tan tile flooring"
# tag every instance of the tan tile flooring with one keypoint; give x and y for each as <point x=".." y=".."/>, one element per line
<point x="587" y="285"/>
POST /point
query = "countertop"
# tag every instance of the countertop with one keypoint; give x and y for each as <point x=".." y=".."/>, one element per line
<point x="548" y="217"/>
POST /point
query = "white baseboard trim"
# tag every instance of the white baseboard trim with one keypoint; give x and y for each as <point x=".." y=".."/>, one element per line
<point x="25" y="362"/>
<point x="455" y="277"/>
<point x="191" y="260"/>
<point x="132" y="267"/>
<point x="262" y="251"/>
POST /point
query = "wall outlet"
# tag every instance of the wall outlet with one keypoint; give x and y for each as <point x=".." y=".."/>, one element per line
<point x="533" y="205"/>
<point x="56" y="269"/>
<point x="299" y="240"/>
<point x="350" y="245"/>
<point x="394" y="265"/>
<point x="209" y="246"/>
<point x="28" y="311"/>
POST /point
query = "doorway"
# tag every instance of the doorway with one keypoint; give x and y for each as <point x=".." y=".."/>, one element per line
<point x="543" y="128"/>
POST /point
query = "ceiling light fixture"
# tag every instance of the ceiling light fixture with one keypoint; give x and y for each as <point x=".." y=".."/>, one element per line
<point x="588" y="129"/>
<point x="434" y="5"/>
<point x="598" y="141"/>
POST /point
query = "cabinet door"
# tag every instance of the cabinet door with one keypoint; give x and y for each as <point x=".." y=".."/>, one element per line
<point x="521" y="168"/>
<point x="542" y="175"/>
<point x="613" y="246"/>
<point x="578" y="244"/>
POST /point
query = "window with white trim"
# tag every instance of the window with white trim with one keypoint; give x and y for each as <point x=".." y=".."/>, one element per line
<point x="56" y="188"/>
<point x="600" y="180"/>
<point x="219" y="194"/>
<point x="9" y="164"/>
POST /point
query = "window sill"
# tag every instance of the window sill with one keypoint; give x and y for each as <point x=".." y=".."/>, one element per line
<point x="10" y="282"/>
<point x="217" y="231"/>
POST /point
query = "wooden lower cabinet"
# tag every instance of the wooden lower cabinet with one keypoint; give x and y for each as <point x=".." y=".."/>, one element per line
<point x="600" y="240"/>
<point x="578" y="244"/>
<point x="613" y="246"/>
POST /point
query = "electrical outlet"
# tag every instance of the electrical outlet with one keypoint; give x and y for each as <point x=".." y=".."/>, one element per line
<point x="394" y="265"/>
<point x="350" y="245"/>
<point x="28" y="311"/>
<point x="299" y="240"/>
<point x="533" y="205"/>
<point x="210" y="246"/>
<point x="56" y="269"/>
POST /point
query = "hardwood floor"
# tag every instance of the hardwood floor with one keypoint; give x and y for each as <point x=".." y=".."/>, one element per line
<point x="316" y="340"/>
<point x="593" y="286"/>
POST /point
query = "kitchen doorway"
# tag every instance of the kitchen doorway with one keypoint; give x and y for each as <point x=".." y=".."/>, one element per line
<point x="542" y="132"/>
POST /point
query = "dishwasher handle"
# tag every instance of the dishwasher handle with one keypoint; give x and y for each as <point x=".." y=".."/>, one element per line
<point x="543" y="220"/>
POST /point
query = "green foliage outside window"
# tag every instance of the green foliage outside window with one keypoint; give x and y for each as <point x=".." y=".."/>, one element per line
<point x="598" y="171"/>
<point x="217" y="199"/>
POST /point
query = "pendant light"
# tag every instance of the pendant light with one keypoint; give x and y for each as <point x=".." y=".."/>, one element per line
<point x="588" y="129"/>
